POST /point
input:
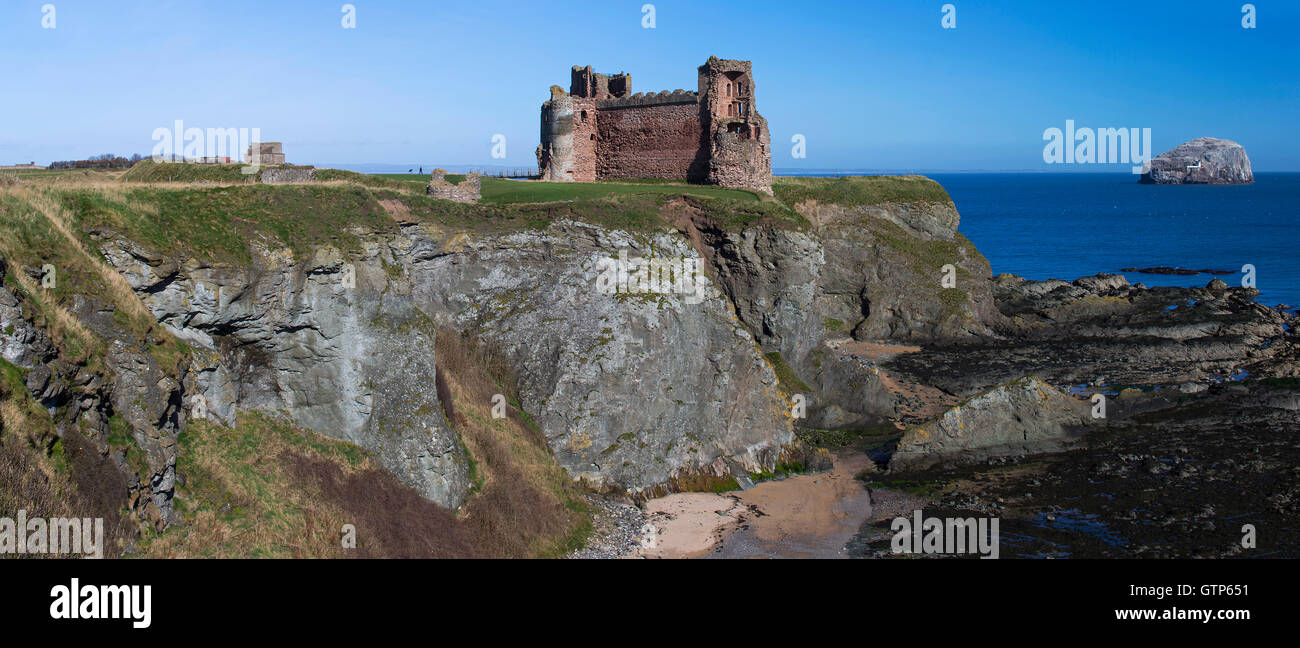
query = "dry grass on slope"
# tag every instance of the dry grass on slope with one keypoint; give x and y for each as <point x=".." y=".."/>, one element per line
<point x="48" y="476"/>
<point x="522" y="504"/>
<point x="268" y="489"/>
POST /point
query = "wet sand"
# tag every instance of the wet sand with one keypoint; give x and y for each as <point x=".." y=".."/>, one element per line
<point x="805" y="516"/>
<point x="689" y="525"/>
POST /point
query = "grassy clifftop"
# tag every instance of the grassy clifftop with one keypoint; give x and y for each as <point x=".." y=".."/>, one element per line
<point x="213" y="212"/>
<point x="853" y="191"/>
<point x="150" y="171"/>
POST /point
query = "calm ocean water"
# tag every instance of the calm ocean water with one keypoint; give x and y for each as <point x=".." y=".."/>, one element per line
<point x="1065" y="226"/>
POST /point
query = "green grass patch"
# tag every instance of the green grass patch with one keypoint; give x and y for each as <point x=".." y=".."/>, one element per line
<point x="150" y="171"/>
<point x="29" y="419"/>
<point x="926" y="256"/>
<point x="868" y="438"/>
<point x="217" y="223"/>
<point x="399" y="181"/>
<point x="853" y="191"/>
<point x="789" y="382"/>
<point x="780" y="471"/>
<point x="120" y="438"/>
<point x="12" y="379"/>
<point x="415" y="180"/>
<point x="927" y="489"/>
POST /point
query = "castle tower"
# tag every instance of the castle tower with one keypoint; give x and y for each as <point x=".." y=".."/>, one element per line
<point x="739" y="142"/>
<point x="568" y="149"/>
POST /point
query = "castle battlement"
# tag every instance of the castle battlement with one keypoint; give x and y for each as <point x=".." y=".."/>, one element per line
<point x="600" y="130"/>
<point x="650" y="99"/>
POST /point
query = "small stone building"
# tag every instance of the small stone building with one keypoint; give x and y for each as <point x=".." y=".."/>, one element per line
<point x="265" y="153"/>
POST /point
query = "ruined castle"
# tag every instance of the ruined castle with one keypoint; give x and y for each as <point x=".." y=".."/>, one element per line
<point x="599" y="130"/>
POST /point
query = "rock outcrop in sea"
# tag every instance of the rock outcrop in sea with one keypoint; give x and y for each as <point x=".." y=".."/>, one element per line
<point x="1204" y="160"/>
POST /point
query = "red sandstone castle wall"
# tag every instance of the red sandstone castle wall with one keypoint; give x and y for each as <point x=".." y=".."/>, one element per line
<point x="650" y="142"/>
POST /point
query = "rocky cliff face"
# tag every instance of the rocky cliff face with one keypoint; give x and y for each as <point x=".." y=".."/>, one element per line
<point x="630" y="390"/>
<point x="313" y="338"/>
<point x="633" y="391"/>
<point x="866" y="272"/>
<point x="84" y="401"/>
<point x="1204" y="160"/>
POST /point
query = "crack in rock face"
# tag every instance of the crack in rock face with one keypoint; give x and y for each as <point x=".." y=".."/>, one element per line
<point x="301" y="338"/>
<point x="630" y="389"/>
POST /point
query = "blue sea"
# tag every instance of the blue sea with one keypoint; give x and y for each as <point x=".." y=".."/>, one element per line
<point x="1069" y="225"/>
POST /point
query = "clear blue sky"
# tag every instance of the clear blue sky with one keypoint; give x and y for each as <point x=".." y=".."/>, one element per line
<point x="871" y="84"/>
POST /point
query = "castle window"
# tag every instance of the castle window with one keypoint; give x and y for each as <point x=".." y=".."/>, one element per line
<point x="593" y="137"/>
<point x="584" y="115"/>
